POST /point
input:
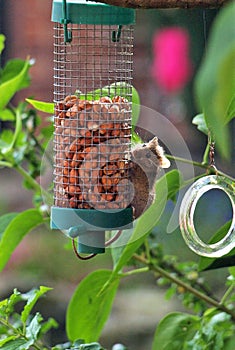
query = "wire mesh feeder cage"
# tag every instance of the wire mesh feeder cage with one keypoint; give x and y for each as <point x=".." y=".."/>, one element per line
<point x="93" y="53"/>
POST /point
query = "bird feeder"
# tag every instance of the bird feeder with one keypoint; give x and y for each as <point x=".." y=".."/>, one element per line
<point x="93" y="50"/>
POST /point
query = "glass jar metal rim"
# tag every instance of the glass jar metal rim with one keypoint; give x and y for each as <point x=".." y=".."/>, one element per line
<point x="186" y="218"/>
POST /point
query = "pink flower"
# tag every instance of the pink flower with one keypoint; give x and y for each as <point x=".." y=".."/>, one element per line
<point x="172" y="67"/>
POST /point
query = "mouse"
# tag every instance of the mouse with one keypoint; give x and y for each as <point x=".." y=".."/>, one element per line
<point x="146" y="161"/>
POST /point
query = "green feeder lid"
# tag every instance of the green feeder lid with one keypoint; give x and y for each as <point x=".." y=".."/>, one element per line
<point x="89" y="12"/>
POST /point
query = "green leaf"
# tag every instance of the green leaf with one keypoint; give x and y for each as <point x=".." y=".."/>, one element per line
<point x="174" y="330"/>
<point x="230" y="114"/>
<point x="214" y="329"/>
<point x="91" y="346"/>
<point x="6" y="138"/>
<point x="9" y="87"/>
<point x="200" y="121"/>
<point x="15" y="231"/>
<point x="232" y="271"/>
<point x="47" y="131"/>
<point x="11" y="69"/>
<point x="227" y="260"/>
<point x="215" y="81"/>
<point x="48" y="325"/>
<point x="135" y="138"/>
<point x="14" y="344"/>
<point x="165" y="187"/>
<point x="32" y="297"/>
<point x="174" y="181"/>
<point x="7" y="340"/>
<point x="6" y="305"/>
<point x="15" y="297"/>
<point x="7" y="115"/>
<point x="89" y="309"/>
<point x="78" y="345"/>
<point x="46" y="107"/>
<point x="18" y="128"/>
<point x="5" y="221"/>
<point x="226" y="82"/>
<point x="2" y="40"/>
<point x="33" y="329"/>
<point x="229" y="343"/>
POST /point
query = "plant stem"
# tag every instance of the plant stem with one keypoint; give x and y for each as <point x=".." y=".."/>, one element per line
<point x="19" y="333"/>
<point x="7" y="324"/>
<point x="134" y="272"/>
<point x="187" y="161"/>
<point x="184" y="285"/>
<point x="147" y="249"/>
<point x="197" y="282"/>
<point x="33" y="183"/>
<point x="42" y="150"/>
<point x="198" y="164"/>
<point x="5" y="164"/>
<point x="206" y="154"/>
<point x="227" y="293"/>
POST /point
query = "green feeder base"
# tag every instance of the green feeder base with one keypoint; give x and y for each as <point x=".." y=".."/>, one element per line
<point x="93" y="242"/>
<point x="89" y="225"/>
<point x="90" y="12"/>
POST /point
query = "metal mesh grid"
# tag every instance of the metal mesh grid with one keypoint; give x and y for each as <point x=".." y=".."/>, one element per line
<point x="92" y="95"/>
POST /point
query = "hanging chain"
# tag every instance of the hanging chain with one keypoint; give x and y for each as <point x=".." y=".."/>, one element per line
<point x="211" y="143"/>
<point x="211" y="152"/>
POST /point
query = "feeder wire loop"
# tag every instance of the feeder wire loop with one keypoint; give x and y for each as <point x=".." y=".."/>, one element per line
<point x="90" y="256"/>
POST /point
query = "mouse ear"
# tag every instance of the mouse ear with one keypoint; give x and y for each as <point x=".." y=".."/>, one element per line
<point x="153" y="143"/>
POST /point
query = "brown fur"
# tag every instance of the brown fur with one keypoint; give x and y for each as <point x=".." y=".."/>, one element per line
<point x="146" y="160"/>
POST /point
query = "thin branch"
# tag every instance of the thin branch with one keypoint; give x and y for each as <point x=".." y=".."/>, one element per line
<point x="5" y="164"/>
<point x="200" y="165"/>
<point x="165" y="4"/>
<point x="33" y="183"/>
<point x="134" y="272"/>
<point x="227" y="293"/>
<point x="168" y="265"/>
<point x="186" y="286"/>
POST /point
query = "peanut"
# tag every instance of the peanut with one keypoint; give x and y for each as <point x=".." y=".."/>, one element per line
<point x="92" y="125"/>
<point x="91" y="140"/>
<point x="107" y="127"/>
<point x="73" y="202"/>
<point x="110" y="169"/>
<point x="105" y="99"/>
<point x="70" y="98"/>
<point x="96" y="107"/>
<point x="106" y="182"/>
<point x="107" y="196"/>
<point x="73" y="190"/>
<point x="76" y="161"/>
<point x="73" y="176"/>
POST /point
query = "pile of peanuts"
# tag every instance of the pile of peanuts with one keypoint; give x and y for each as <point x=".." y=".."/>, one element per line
<point x="91" y="145"/>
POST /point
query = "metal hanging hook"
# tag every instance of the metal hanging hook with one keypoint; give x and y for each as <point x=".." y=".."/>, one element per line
<point x="65" y="21"/>
<point x="117" y="35"/>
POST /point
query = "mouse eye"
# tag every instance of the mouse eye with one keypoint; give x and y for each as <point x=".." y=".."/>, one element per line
<point x="148" y="155"/>
<point x="144" y="145"/>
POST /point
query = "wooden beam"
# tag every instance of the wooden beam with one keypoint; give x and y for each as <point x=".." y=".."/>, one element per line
<point x="165" y="4"/>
